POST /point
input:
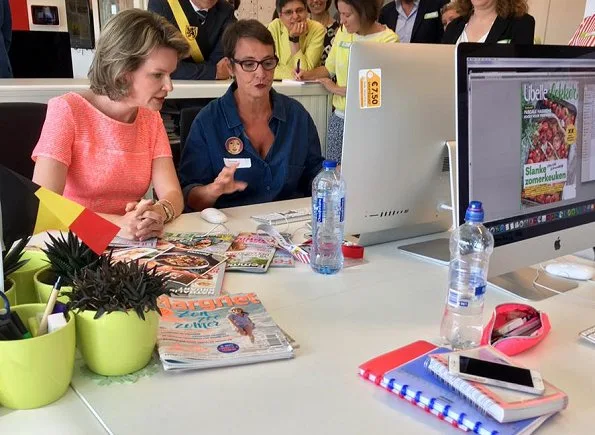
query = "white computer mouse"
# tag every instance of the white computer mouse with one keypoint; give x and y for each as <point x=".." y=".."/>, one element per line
<point x="213" y="216"/>
<point x="570" y="270"/>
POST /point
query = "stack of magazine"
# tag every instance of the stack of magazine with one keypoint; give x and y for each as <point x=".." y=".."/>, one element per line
<point x="216" y="332"/>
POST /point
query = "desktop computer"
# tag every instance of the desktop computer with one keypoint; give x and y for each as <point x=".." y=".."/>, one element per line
<point x="400" y="112"/>
<point x="526" y="149"/>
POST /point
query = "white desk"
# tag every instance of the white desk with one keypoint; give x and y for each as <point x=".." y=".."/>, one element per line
<point x="313" y="97"/>
<point x="340" y="321"/>
<point x="66" y="416"/>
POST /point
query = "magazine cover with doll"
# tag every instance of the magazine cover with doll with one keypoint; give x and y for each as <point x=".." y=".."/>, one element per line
<point x="224" y="331"/>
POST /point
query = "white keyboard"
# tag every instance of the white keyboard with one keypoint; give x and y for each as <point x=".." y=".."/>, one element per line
<point x="287" y="216"/>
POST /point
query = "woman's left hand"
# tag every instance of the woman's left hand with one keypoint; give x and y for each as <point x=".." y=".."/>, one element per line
<point x="328" y="84"/>
<point x="149" y="228"/>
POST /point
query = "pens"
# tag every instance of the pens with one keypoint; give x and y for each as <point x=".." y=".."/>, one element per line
<point x="43" y="325"/>
<point x="297" y="70"/>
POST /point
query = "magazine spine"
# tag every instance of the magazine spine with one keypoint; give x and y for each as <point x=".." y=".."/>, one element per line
<point x="414" y="397"/>
<point x="460" y="386"/>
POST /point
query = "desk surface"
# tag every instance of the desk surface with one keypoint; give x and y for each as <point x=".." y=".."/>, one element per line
<point x="340" y="321"/>
<point x="66" y="416"/>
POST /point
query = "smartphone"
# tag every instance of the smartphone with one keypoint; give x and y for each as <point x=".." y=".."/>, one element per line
<point x="491" y="373"/>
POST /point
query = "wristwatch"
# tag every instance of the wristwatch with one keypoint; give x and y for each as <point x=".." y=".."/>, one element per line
<point x="294" y="39"/>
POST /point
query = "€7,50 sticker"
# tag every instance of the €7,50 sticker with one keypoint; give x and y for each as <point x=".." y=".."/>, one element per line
<point x="370" y="89"/>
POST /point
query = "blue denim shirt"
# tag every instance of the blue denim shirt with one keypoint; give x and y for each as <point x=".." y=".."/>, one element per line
<point x="286" y="172"/>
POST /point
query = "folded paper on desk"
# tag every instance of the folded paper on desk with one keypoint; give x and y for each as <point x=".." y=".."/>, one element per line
<point x="225" y="331"/>
<point x="500" y="403"/>
<point x="403" y="373"/>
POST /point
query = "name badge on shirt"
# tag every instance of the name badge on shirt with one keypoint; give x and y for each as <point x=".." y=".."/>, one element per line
<point x="242" y="163"/>
<point x="505" y="41"/>
<point x="431" y="15"/>
<point x="345" y="44"/>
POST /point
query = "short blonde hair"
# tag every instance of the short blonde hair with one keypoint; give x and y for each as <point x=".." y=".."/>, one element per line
<point x="126" y="41"/>
<point x="504" y="8"/>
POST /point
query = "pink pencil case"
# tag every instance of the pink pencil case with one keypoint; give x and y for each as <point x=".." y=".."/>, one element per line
<point x="510" y="343"/>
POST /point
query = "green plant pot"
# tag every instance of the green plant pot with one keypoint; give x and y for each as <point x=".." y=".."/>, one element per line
<point x="43" y="281"/>
<point x="24" y="277"/>
<point x="117" y="343"/>
<point x="9" y="290"/>
<point x="36" y="371"/>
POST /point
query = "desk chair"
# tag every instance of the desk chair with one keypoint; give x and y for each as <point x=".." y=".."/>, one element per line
<point x="20" y="126"/>
<point x="187" y="116"/>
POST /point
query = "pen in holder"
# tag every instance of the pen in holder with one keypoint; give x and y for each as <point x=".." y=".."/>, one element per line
<point x="43" y="325"/>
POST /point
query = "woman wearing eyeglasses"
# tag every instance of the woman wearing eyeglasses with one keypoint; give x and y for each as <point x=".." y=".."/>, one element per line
<point x="297" y="38"/>
<point x="253" y="144"/>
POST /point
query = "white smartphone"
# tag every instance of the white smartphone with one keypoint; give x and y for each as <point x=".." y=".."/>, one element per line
<point x="500" y="375"/>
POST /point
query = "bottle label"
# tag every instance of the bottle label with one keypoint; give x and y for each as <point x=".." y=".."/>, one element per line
<point x="459" y="299"/>
<point x="342" y="210"/>
<point x="319" y="209"/>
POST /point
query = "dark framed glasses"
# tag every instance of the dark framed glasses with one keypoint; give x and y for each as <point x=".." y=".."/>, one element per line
<point x="251" y="65"/>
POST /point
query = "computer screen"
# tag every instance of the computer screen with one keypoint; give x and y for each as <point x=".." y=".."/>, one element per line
<point x="526" y="148"/>
<point x="399" y="115"/>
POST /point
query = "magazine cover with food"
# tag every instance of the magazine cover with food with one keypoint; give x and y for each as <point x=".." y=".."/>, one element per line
<point x="215" y="243"/>
<point x="215" y="332"/>
<point x="548" y="141"/>
<point x="191" y="273"/>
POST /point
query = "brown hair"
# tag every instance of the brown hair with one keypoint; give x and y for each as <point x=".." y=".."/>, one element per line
<point x="126" y="41"/>
<point x="252" y="29"/>
<point x="368" y="10"/>
<point x="504" y="8"/>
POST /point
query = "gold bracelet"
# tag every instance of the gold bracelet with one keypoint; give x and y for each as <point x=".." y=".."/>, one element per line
<point x="168" y="207"/>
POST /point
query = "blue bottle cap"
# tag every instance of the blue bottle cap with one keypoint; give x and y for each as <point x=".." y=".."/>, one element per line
<point x="328" y="164"/>
<point x="474" y="212"/>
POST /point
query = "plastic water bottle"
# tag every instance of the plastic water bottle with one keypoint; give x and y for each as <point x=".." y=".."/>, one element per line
<point x="470" y="248"/>
<point x="328" y="216"/>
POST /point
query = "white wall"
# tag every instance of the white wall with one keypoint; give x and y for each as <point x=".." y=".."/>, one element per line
<point x="557" y="20"/>
<point x="590" y="8"/>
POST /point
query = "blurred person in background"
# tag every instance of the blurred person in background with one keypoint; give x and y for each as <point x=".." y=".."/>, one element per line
<point x="491" y="21"/>
<point x="319" y="11"/>
<point x="448" y="13"/>
<point x="416" y="21"/>
<point x="298" y="39"/>
<point x="202" y="23"/>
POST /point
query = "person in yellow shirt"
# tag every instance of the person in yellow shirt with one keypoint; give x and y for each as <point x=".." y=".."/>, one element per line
<point x="359" y="23"/>
<point x="298" y="39"/>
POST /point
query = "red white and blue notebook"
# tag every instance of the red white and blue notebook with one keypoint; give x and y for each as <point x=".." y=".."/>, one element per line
<point x="402" y="372"/>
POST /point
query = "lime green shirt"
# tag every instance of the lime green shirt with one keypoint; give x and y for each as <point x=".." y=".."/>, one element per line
<point x="337" y="62"/>
<point x="311" y="46"/>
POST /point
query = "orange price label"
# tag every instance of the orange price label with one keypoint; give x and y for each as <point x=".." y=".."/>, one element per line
<point x="370" y="88"/>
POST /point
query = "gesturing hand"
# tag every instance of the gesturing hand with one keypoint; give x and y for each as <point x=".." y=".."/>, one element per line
<point x="225" y="182"/>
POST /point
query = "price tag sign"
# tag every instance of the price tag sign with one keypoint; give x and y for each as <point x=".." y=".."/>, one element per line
<point x="370" y="88"/>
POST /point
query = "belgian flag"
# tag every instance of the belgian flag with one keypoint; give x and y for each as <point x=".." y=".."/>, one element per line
<point x="29" y="209"/>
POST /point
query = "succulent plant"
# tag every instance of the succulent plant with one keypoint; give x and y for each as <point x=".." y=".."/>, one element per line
<point x="11" y="257"/>
<point x="119" y="286"/>
<point x="68" y="255"/>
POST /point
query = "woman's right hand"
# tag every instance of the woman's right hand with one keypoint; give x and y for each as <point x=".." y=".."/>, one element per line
<point x="225" y="182"/>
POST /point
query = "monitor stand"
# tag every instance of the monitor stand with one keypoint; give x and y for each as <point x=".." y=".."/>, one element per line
<point x="532" y="284"/>
<point x="436" y="250"/>
<point x="400" y="233"/>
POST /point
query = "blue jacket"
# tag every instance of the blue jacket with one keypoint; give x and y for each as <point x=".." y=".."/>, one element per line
<point x="5" y="39"/>
<point x="286" y="172"/>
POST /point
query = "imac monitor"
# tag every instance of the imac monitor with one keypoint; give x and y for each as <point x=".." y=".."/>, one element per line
<point x="398" y="117"/>
<point x="526" y="149"/>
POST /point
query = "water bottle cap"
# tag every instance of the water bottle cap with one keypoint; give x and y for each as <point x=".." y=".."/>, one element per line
<point x="474" y="212"/>
<point x="328" y="164"/>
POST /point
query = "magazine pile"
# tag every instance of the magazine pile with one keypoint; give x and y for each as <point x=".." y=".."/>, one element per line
<point x="216" y="332"/>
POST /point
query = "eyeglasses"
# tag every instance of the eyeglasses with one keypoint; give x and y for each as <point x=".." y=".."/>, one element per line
<point x="251" y="65"/>
<point x="289" y="12"/>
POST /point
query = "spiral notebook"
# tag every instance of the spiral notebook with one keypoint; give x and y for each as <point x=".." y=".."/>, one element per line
<point x="403" y="373"/>
<point x="502" y="404"/>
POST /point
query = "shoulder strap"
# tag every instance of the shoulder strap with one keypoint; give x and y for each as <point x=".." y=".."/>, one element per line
<point x="189" y="32"/>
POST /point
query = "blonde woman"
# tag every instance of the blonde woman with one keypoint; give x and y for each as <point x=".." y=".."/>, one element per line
<point x="491" y="21"/>
<point x="104" y="147"/>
